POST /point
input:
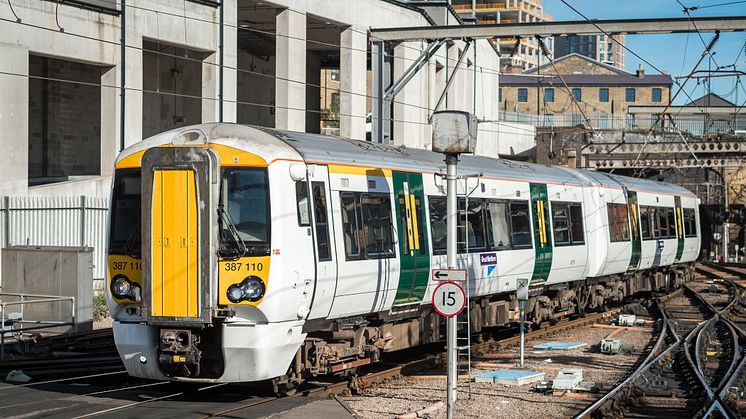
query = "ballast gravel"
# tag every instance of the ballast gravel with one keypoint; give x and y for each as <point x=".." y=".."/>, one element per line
<point x="410" y="394"/>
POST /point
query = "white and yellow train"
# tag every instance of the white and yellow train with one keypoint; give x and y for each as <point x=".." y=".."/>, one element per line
<point x="240" y="253"/>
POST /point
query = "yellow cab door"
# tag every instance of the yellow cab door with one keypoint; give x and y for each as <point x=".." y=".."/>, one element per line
<point x="174" y="218"/>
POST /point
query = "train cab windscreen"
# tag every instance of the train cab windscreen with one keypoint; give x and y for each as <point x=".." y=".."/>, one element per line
<point x="244" y="210"/>
<point x="124" y="237"/>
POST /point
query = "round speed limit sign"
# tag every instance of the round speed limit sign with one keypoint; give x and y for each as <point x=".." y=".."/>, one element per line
<point x="449" y="299"/>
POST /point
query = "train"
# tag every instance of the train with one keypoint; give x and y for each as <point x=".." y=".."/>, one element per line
<point x="239" y="253"/>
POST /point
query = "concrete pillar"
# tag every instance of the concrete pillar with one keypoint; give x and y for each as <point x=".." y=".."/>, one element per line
<point x="230" y="61"/>
<point x="290" y="79"/>
<point x="133" y="117"/>
<point x="352" y="71"/>
<point x="109" y="119"/>
<point x="14" y="119"/>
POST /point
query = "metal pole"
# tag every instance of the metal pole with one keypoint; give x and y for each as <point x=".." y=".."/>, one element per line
<point x="451" y="224"/>
<point x="222" y="61"/>
<point x="726" y="222"/>
<point x="522" y="305"/>
<point x="123" y="71"/>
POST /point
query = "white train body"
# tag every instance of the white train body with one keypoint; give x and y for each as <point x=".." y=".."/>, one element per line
<point x="328" y="245"/>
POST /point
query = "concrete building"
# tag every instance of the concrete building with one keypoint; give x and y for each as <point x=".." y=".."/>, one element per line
<point x="528" y="54"/>
<point x="602" y="91"/>
<point x="62" y="67"/>
<point x="606" y="49"/>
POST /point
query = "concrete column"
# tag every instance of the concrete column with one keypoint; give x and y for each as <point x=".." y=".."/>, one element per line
<point x="290" y="82"/>
<point x="133" y="117"/>
<point x="14" y="119"/>
<point x="109" y="119"/>
<point x="352" y="71"/>
<point x="230" y="61"/>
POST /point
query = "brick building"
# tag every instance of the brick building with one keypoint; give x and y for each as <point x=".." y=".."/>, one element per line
<point x="603" y="92"/>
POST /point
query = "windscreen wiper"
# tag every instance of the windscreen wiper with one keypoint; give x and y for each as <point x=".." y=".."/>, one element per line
<point x="240" y="246"/>
<point x="132" y="246"/>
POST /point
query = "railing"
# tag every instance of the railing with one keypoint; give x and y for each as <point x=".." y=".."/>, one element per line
<point x="56" y="221"/>
<point x="694" y="124"/>
<point x="23" y="300"/>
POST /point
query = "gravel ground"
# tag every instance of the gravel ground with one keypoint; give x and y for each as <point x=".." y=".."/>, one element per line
<point x="408" y="394"/>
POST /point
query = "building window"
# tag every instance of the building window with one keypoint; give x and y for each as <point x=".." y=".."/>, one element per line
<point x="172" y="84"/>
<point x="603" y="94"/>
<point x="577" y="93"/>
<point x="657" y="94"/>
<point x="549" y="95"/>
<point x="523" y="95"/>
<point x="64" y="120"/>
<point x="629" y="94"/>
<point x="500" y="94"/>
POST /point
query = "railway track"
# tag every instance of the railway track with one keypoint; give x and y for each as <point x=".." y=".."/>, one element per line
<point x="696" y="367"/>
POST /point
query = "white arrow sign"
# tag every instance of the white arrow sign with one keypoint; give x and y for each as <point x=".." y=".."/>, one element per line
<point x="449" y="275"/>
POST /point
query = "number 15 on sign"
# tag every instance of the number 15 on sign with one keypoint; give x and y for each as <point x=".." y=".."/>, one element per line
<point x="449" y="299"/>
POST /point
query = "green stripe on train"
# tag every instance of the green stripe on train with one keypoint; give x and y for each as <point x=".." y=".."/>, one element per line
<point x="414" y="273"/>
<point x="542" y="233"/>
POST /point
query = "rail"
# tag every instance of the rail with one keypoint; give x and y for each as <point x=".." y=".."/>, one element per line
<point x="8" y="324"/>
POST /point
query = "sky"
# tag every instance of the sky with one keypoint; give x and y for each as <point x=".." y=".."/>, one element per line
<point x="675" y="53"/>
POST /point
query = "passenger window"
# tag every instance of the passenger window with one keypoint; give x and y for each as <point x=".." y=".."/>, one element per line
<point x="301" y="198"/>
<point x="498" y="235"/>
<point x="618" y="222"/>
<point x="350" y="226"/>
<point x="470" y="235"/>
<point x="690" y="223"/>
<point x="662" y="223"/>
<point x="322" y="225"/>
<point x="567" y="221"/>
<point x="672" y="230"/>
<point x="561" y="223"/>
<point x="520" y="224"/>
<point x="645" y="223"/>
<point x="438" y="227"/>
<point x="377" y="226"/>
<point x="577" y="233"/>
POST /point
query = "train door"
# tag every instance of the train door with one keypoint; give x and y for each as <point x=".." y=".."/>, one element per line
<point x="542" y="233"/>
<point x="679" y="228"/>
<point x="413" y="247"/>
<point x="634" y="218"/>
<point x="323" y="237"/>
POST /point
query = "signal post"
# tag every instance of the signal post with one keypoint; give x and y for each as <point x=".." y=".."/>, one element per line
<point x="454" y="132"/>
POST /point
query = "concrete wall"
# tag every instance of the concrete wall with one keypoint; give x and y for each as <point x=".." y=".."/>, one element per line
<point x="281" y="99"/>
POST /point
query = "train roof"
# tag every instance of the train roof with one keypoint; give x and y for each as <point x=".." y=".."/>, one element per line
<point x="320" y="148"/>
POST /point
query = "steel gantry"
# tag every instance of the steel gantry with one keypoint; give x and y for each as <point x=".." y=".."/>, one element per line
<point x="382" y="40"/>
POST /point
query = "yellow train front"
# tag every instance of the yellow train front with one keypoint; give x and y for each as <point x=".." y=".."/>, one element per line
<point x="189" y="259"/>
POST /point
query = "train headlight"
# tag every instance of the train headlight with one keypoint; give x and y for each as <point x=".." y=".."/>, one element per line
<point x="124" y="289"/>
<point x="250" y="289"/>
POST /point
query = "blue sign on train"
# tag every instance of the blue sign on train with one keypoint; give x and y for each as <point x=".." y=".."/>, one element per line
<point x="488" y="259"/>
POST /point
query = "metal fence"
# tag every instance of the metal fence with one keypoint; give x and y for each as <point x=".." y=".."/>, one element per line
<point x="56" y="221"/>
<point x="694" y="124"/>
